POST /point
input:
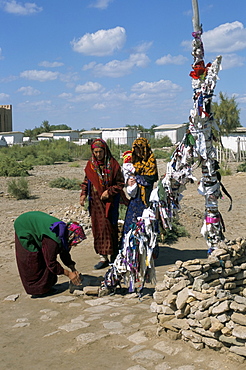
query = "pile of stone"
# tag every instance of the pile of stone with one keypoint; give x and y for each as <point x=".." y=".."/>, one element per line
<point x="74" y="213"/>
<point x="203" y="302"/>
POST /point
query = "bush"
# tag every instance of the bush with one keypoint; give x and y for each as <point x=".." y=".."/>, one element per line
<point x="177" y="231"/>
<point x="165" y="141"/>
<point x="65" y="183"/>
<point x="162" y="154"/>
<point x="224" y="169"/>
<point x="9" y="167"/>
<point x="19" y="188"/>
<point x="242" y="167"/>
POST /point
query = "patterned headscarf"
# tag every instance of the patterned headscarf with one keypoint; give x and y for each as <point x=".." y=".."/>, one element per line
<point x="70" y="234"/>
<point x="102" y="168"/>
<point x="127" y="156"/>
<point x="143" y="158"/>
<point x="144" y="162"/>
<point x="75" y="233"/>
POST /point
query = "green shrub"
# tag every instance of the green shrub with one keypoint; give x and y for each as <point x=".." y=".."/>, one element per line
<point x="162" y="154"/>
<point x="19" y="188"/>
<point x="177" y="231"/>
<point x="224" y="169"/>
<point x="242" y="167"/>
<point x="9" y="167"/>
<point x="165" y="141"/>
<point x="65" y="183"/>
<point x="74" y="164"/>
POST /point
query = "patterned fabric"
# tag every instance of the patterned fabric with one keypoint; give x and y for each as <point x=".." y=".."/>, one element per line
<point x="75" y="233"/>
<point x="103" y="169"/>
<point x="144" y="162"/>
<point x="101" y="176"/>
<point x="127" y="156"/>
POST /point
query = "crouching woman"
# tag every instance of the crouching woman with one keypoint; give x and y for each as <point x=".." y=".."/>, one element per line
<point x="39" y="239"/>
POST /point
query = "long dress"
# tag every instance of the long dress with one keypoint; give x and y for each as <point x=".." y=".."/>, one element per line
<point x="104" y="214"/>
<point x="37" y="248"/>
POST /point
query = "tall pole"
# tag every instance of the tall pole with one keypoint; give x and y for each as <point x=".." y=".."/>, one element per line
<point x="204" y="78"/>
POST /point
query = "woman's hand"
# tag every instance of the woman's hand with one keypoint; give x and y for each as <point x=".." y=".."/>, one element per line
<point x="82" y="200"/>
<point x="74" y="277"/>
<point x="105" y="195"/>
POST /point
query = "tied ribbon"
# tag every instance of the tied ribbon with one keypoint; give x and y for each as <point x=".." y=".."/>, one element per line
<point x="212" y="220"/>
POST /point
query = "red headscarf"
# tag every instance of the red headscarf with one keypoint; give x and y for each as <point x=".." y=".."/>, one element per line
<point x="101" y="173"/>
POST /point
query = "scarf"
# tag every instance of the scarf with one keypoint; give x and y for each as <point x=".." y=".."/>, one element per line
<point x="144" y="162"/>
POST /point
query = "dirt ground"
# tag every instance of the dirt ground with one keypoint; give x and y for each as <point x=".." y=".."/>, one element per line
<point x="35" y="332"/>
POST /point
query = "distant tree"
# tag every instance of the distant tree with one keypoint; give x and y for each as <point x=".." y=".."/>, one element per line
<point x="46" y="126"/>
<point x="226" y="114"/>
<point x="63" y="126"/>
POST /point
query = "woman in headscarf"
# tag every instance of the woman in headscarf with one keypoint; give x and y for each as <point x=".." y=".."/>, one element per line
<point x="146" y="174"/>
<point x="103" y="184"/>
<point x="39" y="239"/>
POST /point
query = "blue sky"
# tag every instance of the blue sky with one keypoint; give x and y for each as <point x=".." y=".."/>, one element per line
<point x="109" y="63"/>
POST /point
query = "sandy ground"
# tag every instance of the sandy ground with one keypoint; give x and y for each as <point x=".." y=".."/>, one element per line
<point x="115" y="332"/>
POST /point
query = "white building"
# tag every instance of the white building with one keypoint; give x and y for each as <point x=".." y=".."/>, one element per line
<point x="174" y="131"/>
<point x="87" y="136"/>
<point x="68" y="135"/>
<point x="120" y="135"/>
<point x="13" y="137"/>
<point x="235" y="140"/>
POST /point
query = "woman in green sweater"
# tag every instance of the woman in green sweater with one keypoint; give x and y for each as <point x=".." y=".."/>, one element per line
<point x="39" y="239"/>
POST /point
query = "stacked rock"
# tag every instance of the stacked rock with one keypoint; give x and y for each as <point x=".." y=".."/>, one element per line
<point x="74" y="213"/>
<point x="204" y="301"/>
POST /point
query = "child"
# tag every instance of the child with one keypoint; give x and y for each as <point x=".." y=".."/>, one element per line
<point x="129" y="173"/>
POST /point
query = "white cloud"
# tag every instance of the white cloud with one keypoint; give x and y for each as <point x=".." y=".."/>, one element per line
<point x="21" y="8"/>
<point x="156" y="87"/>
<point x="65" y="95"/>
<point x="100" y="43"/>
<point x="40" y="105"/>
<point x="226" y="38"/>
<point x="142" y="48"/>
<point x="117" y="68"/>
<point x="101" y="4"/>
<point x="89" y="87"/>
<point x="28" y="90"/>
<point x="231" y="61"/>
<point x="39" y="75"/>
<point x="169" y="59"/>
<point x="1" y="55"/>
<point x="50" y="64"/>
<point x="99" y="106"/>
<point x="4" y="96"/>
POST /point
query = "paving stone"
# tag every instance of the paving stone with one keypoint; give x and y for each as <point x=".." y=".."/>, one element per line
<point x="136" y="367"/>
<point x="147" y="355"/>
<point x="128" y="318"/>
<point x="98" y="301"/>
<point x="12" y="297"/>
<point x="113" y="325"/>
<point x="72" y="326"/>
<point x="78" y="318"/>
<point x="62" y="299"/>
<point x="169" y="350"/>
<point x="86" y="338"/>
<point x="21" y="325"/>
<point x="138" y="337"/>
<point x="97" y="309"/>
<point x="136" y="348"/>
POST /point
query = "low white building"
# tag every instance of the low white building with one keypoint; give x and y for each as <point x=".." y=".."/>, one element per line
<point x="120" y="135"/>
<point x="86" y="137"/>
<point x="45" y="136"/>
<point x="236" y="140"/>
<point x="174" y="131"/>
<point x="68" y="135"/>
<point x="13" y="137"/>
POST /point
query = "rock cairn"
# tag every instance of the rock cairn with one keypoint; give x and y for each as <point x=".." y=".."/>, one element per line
<point x="74" y="213"/>
<point x="203" y="302"/>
